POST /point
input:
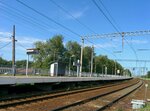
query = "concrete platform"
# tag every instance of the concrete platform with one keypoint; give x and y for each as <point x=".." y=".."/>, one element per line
<point x="12" y="80"/>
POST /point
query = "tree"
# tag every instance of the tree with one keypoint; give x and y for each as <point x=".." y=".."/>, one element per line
<point x="87" y="52"/>
<point x="49" y="51"/>
<point x="22" y="63"/>
<point x="72" y="51"/>
<point x="148" y="74"/>
<point x="102" y="61"/>
<point x="5" y="63"/>
<point x="56" y="47"/>
<point x="73" y="48"/>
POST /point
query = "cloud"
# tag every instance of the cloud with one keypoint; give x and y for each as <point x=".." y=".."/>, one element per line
<point x="25" y="41"/>
<point x="5" y="37"/>
<point x="5" y="34"/>
<point x="28" y="40"/>
<point x="78" y="14"/>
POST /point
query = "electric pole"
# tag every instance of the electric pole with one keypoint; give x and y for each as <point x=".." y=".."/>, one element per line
<point x="13" y="51"/>
<point x="92" y="61"/>
<point x="82" y="47"/>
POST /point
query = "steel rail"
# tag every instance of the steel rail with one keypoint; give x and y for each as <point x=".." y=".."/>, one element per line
<point x="117" y="99"/>
<point x="50" y="96"/>
<point x="90" y="99"/>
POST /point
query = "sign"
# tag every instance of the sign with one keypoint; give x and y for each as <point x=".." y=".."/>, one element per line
<point x="146" y="85"/>
<point x="32" y="51"/>
<point x="118" y="71"/>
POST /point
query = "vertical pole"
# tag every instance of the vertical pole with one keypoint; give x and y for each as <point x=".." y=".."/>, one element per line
<point x="81" y="57"/>
<point x="92" y="61"/>
<point x="13" y="50"/>
<point x="27" y="64"/>
<point x="57" y="70"/>
<point x="145" y="69"/>
<point x="122" y="40"/>
<point x="69" y="65"/>
<point x="95" y="66"/>
<point x="145" y="96"/>
<point x="115" y="67"/>
<point x="102" y="70"/>
<point x="105" y="70"/>
<point x="78" y="67"/>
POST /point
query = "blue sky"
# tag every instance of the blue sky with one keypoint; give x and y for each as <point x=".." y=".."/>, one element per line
<point x="129" y="15"/>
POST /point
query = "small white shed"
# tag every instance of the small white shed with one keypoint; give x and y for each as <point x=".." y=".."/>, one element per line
<point x="57" y="69"/>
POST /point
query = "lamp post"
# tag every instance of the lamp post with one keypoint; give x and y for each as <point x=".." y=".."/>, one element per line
<point x="102" y="69"/>
<point x="105" y="70"/>
<point x="115" y="67"/>
<point x="70" y="64"/>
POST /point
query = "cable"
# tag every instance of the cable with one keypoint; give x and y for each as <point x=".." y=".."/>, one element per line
<point x="106" y="16"/>
<point x="64" y="10"/>
<point x="52" y="20"/>
<point x="21" y="45"/>
<point x="25" y="18"/>
<point x="109" y="14"/>
<point x="113" y="25"/>
<point x="24" y="22"/>
<point x="5" y="45"/>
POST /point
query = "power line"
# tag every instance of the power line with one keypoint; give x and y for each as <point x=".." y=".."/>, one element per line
<point x="5" y="45"/>
<point x="105" y="16"/>
<point x="109" y="13"/>
<point x="52" y="20"/>
<point x="20" y="14"/>
<point x="26" y="21"/>
<point x="64" y="10"/>
<point x="113" y="25"/>
<point x="21" y="45"/>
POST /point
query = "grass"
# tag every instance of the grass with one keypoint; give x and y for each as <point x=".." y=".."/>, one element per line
<point x="146" y="108"/>
<point x="146" y="78"/>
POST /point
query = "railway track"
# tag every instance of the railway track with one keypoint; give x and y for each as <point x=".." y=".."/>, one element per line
<point x="38" y="94"/>
<point x="101" y="102"/>
<point x="64" y="100"/>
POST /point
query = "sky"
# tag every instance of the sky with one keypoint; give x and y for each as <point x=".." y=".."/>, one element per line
<point x="83" y="18"/>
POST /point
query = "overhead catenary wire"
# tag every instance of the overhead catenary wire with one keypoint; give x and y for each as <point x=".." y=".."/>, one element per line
<point x="105" y="16"/>
<point x="28" y="19"/>
<point x="21" y="45"/>
<point x="5" y="45"/>
<point x="50" y="19"/>
<point x="114" y="26"/>
<point x="17" y="13"/>
<point x="109" y="14"/>
<point x="68" y="13"/>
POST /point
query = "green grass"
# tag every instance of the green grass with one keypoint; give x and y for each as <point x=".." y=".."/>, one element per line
<point x="146" y="78"/>
<point x="146" y="108"/>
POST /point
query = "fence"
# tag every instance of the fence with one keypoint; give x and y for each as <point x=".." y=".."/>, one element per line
<point x="46" y="72"/>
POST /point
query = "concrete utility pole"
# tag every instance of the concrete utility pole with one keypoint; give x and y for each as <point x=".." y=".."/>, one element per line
<point x="13" y="52"/>
<point x="115" y="67"/>
<point x="122" y="40"/>
<point x="82" y="47"/>
<point x="27" y="64"/>
<point x="92" y="60"/>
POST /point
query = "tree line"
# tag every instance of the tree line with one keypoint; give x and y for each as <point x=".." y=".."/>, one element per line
<point x="54" y="50"/>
